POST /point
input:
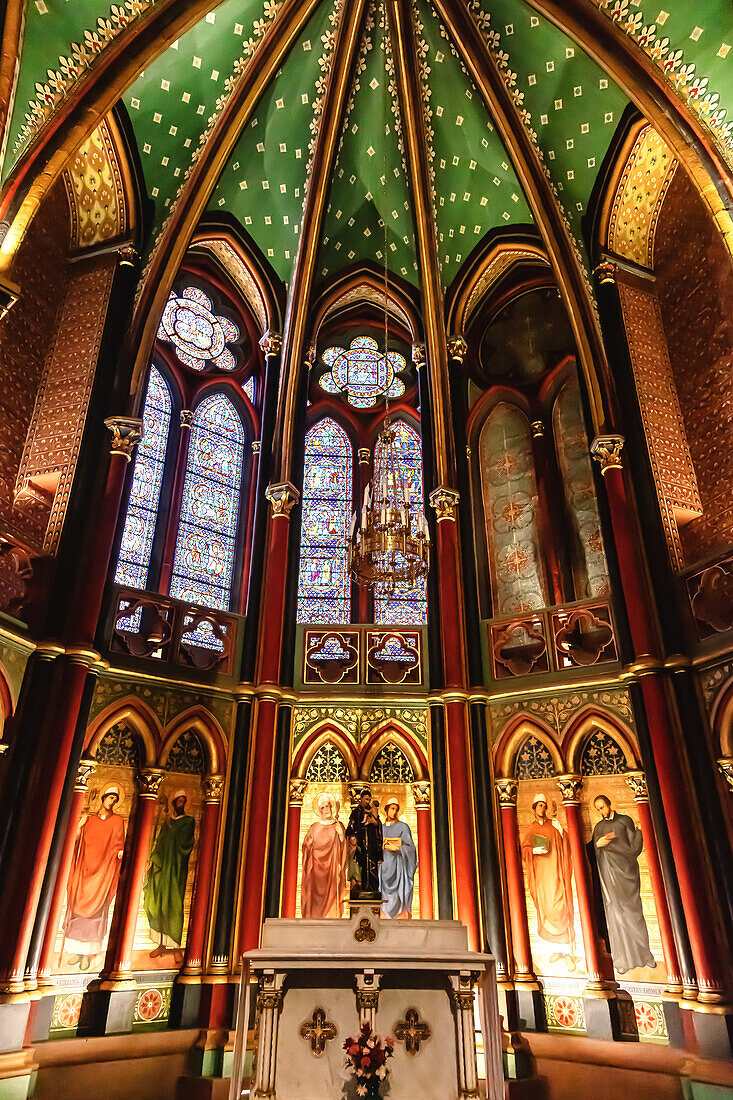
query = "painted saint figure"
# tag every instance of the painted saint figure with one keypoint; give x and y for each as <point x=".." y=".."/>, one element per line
<point x="546" y="857"/>
<point x="93" y="880"/>
<point x="165" y="883"/>
<point x="323" y="885"/>
<point x="397" y="869"/>
<point x="366" y="829"/>
<point x="617" y="844"/>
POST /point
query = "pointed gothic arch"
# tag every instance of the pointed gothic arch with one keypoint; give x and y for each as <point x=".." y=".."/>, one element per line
<point x="515" y="736"/>
<point x="141" y="720"/>
<point x="581" y="729"/>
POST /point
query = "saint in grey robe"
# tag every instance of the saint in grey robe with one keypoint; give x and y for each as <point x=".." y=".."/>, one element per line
<point x="618" y="869"/>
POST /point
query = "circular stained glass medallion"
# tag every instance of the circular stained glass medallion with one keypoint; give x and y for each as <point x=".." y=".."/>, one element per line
<point x="362" y="372"/>
<point x="198" y="335"/>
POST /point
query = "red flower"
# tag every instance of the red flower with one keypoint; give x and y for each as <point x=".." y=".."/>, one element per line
<point x="379" y="1057"/>
<point x="354" y="1048"/>
<point x="366" y="1029"/>
<point x="366" y="1062"/>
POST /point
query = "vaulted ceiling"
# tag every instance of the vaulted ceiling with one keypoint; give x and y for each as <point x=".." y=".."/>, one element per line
<point x="568" y="104"/>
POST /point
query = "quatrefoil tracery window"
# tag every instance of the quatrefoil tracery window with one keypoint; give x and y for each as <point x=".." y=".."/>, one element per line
<point x="198" y="335"/>
<point x="362" y="372"/>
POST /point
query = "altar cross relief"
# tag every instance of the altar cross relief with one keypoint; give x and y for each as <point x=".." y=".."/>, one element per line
<point x="318" y="1030"/>
<point x="412" y="1031"/>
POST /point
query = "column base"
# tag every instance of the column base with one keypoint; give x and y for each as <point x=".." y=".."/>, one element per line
<point x="13" y="1024"/>
<point x="516" y="1058"/>
<point x="185" y="1005"/>
<point x="40" y="1018"/>
<point x="202" y="1088"/>
<point x="107" y="1012"/>
<point x="712" y="1026"/>
<point x="530" y="1006"/>
<point x="212" y="1055"/>
<point x="602" y="1016"/>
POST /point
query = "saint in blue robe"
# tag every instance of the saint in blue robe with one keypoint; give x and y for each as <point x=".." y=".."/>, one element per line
<point x="397" y="870"/>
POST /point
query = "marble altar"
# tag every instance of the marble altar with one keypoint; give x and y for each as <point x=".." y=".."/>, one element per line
<point x="319" y="980"/>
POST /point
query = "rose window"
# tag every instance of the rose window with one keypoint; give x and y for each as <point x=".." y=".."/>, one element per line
<point x="363" y="373"/>
<point x="198" y="335"/>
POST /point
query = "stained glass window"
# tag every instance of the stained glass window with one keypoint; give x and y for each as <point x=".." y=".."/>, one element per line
<point x="363" y="372"/>
<point x="198" y="335"/>
<point x="591" y="573"/>
<point x="249" y="389"/>
<point x="510" y="506"/>
<point x="407" y="605"/>
<point x="147" y="478"/>
<point x="204" y="558"/>
<point x="324" y="586"/>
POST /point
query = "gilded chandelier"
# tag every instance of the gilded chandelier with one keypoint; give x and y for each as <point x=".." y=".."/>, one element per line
<point x="389" y="543"/>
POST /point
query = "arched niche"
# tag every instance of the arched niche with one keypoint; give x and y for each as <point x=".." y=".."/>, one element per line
<point x="514" y="739"/>
<point x="584" y="726"/>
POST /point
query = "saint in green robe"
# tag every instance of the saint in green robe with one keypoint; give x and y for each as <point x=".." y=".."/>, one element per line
<point x="165" y="885"/>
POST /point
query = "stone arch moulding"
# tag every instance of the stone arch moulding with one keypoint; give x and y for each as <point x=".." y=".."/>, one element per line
<point x="583" y="725"/>
<point x="100" y="189"/>
<point x="481" y="273"/>
<point x="140" y="717"/>
<point x="722" y="720"/>
<point x="510" y="742"/>
<point x="328" y="731"/>
<point x="367" y="286"/>
<point x="393" y="731"/>
<point x="208" y="730"/>
<point x="245" y="272"/>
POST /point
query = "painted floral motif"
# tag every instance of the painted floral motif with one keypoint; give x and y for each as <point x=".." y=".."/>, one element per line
<point x="691" y="88"/>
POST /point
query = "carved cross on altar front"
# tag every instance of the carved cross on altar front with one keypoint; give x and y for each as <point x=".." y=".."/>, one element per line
<point x="318" y="1030"/>
<point x="412" y="1031"/>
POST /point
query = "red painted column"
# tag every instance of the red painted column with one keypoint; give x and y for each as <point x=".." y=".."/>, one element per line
<point x="292" y="848"/>
<point x="48" y="949"/>
<point x="421" y="794"/>
<point x="507" y="792"/>
<point x="712" y="970"/>
<point x="282" y="499"/>
<point x="116" y="972"/>
<point x="458" y="760"/>
<point x="213" y="786"/>
<point x="637" y="782"/>
<point x="598" y="971"/>
<point x="174" y="512"/>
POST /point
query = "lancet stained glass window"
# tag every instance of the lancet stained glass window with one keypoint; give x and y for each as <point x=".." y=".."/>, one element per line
<point x="204" y="558"/>
<point x="147" y="478"/>
<point x="324" y="586"/>
<point x="407" y="605"/>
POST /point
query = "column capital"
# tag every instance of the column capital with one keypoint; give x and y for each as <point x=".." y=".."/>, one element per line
<point x="296" y="791"/>
<point x="148" y="782"/>
<point x="127" y="431"/>
<point x="605" y="272"/>
<point x="365" y="455"/>
<point x="355" y="790"/>
<point x="186" y="416"/>
<point x="84" y="771"/>
<point x="213" y="788"/>
<point x="637" y="781"/>
<point x="418" y="355"/>
<point x="570" y="787"/>
<point x="506" y="790"/>
<point x="128" y="256"/>
<point x="421" y="792"/>
<point x="457" y="348"/>
<point x="256" y="446"/>
<point x="538" y="429"/>
<point x="606" y="450"/>
<point x="271" y="343"/>
<point x="725" y="767"/>
<point x="445" y="502"/>
<point x="282" y="497"/>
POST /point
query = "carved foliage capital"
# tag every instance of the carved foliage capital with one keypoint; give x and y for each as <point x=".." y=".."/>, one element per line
<point x="457" y="348"/>
<point x="186" y="418"/>
<point x="506" y="790"/>
<point x="282" y="498"/>
<point x="126" y="434"/>
<point x="421" y="793"/>
<point x="84" y="772"/>
<point x="606" y="450"/>
<point x="725" y="767"/>
<point x="212" y="787"/>
<point x="637" y="782"/>
<point x="445" y="502"/>
<point x="297" y="791"/>
<point x="271" y="343"/>
<point x="570" y="788"/>
<point x="149" y="781"/>
<point x="605" y="272"/>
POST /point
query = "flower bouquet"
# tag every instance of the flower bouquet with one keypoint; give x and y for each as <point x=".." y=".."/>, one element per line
<point x="366" y="1057"/>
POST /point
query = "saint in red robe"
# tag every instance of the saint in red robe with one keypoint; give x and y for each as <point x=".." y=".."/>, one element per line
<point x="93" y="882"/>
<point x="323" y="885"/>
<point x="546" y="856"/>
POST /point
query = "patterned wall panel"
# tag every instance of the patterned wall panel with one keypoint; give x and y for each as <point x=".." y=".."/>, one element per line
<point x="646" y="177"/>
<point x="96" y="192"/>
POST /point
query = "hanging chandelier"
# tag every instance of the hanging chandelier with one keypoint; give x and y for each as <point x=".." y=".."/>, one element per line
<point x="389" y="542"/>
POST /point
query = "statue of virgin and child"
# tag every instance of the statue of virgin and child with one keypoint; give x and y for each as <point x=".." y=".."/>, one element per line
<point x="370" y="859"/>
